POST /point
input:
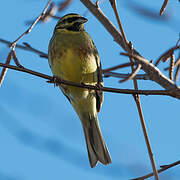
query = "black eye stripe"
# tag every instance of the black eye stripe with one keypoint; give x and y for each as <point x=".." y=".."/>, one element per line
<point x="70" y="20"/>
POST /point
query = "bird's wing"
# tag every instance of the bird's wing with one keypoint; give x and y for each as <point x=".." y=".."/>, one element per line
<point x="99" y="94"/>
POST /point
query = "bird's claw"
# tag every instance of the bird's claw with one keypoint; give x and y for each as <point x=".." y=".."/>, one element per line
<point x="54" y="81"/>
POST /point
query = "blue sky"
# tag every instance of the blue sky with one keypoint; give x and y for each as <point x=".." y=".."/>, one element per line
<point x="40" y="134"/>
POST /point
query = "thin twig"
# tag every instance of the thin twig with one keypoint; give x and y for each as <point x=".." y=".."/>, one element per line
<point x="177" y="73"/>
<point x="143" y="125"/>
<point x="178" y="58"/>
<point x="13" y="45"/>
<point x="171" y="68"/>
<point x="121" y="75"/>
<point x="117" y="67"/>
<point x="63" y="5"/>
<point x="4" y="70"/>
<point x="163" y="168"/>
<point x="129" y="49"/>
<point x="113" y="4"/>
<point x="41" y="54"/>
<point x="55" y="17"/>
<point x="178" y="41"/>
<point x="31" y="27"/>
<point x="166" y="54"/>
<point x="106" y="89"/>
<point x="177" y="62"/>
<point x="27" y="47"/>
<point x="16" y="59"/>
<point x="50" y="12"/>
<point x="132" y="75"/>
<point x="156" y="75"/>
<point x="163" y="7"/>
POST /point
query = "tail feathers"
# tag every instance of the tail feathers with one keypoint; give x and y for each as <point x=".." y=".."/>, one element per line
<point x="97" y="150"/>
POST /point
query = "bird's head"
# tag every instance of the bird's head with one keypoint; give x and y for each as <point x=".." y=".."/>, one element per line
<point x="71" y="22"/>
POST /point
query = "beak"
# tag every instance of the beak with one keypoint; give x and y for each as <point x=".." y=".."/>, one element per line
<point x="82" y="20"/>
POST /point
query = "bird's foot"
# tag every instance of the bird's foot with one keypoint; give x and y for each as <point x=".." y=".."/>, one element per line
<point x="54" y="80"/>
<point x="82" y="83"/>
<point x="99" y="86"/>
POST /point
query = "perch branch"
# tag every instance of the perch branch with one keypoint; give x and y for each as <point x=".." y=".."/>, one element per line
<point x="106" y="89"/>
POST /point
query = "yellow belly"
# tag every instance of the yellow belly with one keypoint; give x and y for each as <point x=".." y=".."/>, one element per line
<point x="75" y="67"/>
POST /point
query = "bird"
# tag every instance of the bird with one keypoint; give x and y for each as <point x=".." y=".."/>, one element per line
<point x="72" y="56"/>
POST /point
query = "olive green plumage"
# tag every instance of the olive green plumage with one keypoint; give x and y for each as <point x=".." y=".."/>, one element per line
<point x="73" y="56"/>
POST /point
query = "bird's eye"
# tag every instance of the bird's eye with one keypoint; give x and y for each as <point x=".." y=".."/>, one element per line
<point x="69" y="20"/>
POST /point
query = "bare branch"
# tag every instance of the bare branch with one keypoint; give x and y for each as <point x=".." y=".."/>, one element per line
<point x="113" y="4"/>
<point x="171" y="69"/>
<point x="177" y="73"/>
<point x="166" y="54"/>
<point x="129" y="49"/>
<point x="120" y="75"/>
<point x="63" y="5"/>
<point x="177" y="61"/>
<point x="132" y="75"/>
<point x="13" y="45"/>
<point x="51" y="11"/>
<point x="41" y="54"/>
<point x="27" y="47"/>
<point x="31" y="27"/>
<point x="4" y="70"/>
<point x="163" y="7"/>
<point x="156" y="75"/>
<point x="117" y="67"/>
<point x="16" y="59"/>
<point x="106" y="89"/>
<point x="163" y="168"/>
